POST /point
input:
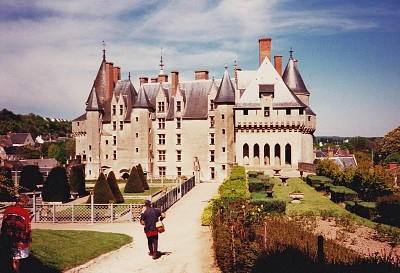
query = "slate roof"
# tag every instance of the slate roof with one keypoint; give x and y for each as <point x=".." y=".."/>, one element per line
<point x="267" y="75"/>
<point x="226" y="91"/>
<point x="19" y="138"/>
<point x="99" y="87"/>
<point x="293" y="79"/>
<point x="196" y="97"/>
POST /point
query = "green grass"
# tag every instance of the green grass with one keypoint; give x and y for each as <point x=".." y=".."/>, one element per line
<point x="64" y="249"/>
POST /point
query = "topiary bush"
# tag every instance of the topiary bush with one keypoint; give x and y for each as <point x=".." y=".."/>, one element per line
<point x="141" y="175"/>
<point x="30" y="178"/>
<point x="134" y="183"/>
<point x="102" y="192"/>
<point x="77" y="179"/>
<point x="56" y="187"/>
<point x="112" y="183"/>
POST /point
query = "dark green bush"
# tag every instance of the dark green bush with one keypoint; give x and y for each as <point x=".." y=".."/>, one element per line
<point x="102" y="192"/>
<point x="263" y="177"/>
<point x="77" y="179"/>
<point x="134" y="183"/>
<point x="269" y="205"/>
<point x="56" y="188"/>
<point x="112" y="183"/>
<point x="7" y="189"/>
<point x="342" y="194"/>
<point x="143" y="179"/>
<point x="252" y="174"/>
<point x="30" y="178"/>
<point x="238" y="172"/>
<point x="256" y="185"/>
<point x="388" y="208"/>
<point x="366" y="210"/>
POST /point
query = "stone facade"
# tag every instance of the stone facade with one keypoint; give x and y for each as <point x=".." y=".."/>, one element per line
<point x="203" y="127"/>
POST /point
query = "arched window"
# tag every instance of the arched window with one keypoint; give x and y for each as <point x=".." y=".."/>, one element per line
<point x="246" y="154"/>
<point x="256" y="153"/>
<point x="288" y="154"/>
<point x="267" y="155"/>
<point x="277" y="154"/>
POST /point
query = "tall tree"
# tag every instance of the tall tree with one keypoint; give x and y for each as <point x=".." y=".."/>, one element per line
<point x="56" y="187"/>
<point x="112" y="182"/>
<point x="391" y="142"/>
<point x="77" y="179"/>
<point x="30" y="178"/>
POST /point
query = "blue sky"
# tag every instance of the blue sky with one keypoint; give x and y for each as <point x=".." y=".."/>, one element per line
<point x="348" y="51"/>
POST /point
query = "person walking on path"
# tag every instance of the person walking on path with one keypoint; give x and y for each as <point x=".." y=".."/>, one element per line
<point x="149" y="218"/>
<point x="16" y="233"/>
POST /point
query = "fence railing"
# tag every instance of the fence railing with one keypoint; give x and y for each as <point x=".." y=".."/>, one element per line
<point x="55" y="212"/>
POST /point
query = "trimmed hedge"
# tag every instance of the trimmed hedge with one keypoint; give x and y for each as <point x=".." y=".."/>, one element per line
<point x="257" y="185"/>
<point x="270" y="205"/>
<point x="342" y="194"/>
<point x="314" y="180"/>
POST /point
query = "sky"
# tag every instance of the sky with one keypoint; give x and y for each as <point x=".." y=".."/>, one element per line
<point x="348" y="51"/>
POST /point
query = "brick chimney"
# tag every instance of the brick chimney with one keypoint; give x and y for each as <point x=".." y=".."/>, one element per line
<point x="109" y="80"/>
<point x="175" y="81"/>
<point x="278" y="64"/>
<point x="117" y="74"/>
<point x="143" y="80"/>
<point x="201" y="75"/>
<point x="264" y="48"/>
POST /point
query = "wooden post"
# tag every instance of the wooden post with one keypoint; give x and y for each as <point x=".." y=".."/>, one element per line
<point x="321" y="255"/>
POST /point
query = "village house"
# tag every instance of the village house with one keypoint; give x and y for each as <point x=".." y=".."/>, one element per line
<point x="259" y="119"/>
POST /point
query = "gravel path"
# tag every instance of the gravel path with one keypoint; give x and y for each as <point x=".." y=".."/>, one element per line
<point x="186" y="245"/>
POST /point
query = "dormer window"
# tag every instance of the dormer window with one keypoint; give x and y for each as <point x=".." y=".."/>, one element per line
<point x="114" y="110"/>
<point x="266" y="89"/>
<point x="121" y="109"/>
<point x="161" y="107"/>
<point x="178" y="106"/>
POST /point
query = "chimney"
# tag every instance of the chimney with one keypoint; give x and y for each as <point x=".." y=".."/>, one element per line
<point x="117" y="74"/>
<point x="175" y="81"/>
<point x="162" y="78"/>
<point x="201" y="75"/>
<point x="143" y="80"/>
<point x="278" y="64"/>
<point x="109" y="80"/>
<point x="264" y="48"/>
<point x="154" y="79"/>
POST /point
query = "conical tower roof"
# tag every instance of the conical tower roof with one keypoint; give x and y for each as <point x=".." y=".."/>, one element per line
<point x="226" y="91"/>
<point x="293" y="79"/>
<point x="93" y="102"/>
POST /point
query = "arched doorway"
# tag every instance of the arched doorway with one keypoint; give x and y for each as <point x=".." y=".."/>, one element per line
<point x="256" y="153"/>
<point x="288" y="154"/>
<point x="277" y="154"/>
<point x="246" y="154"/>
<point x="267" y="154"/>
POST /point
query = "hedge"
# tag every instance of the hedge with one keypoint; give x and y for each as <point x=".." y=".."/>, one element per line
<point x="270" y="205"/>
<point x="342" y="194"/>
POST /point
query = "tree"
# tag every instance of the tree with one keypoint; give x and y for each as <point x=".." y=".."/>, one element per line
<point x="30" y="178"/>
<point x="56" y="187"/>
<point x="141" y="175"/>
<point x="7" y="189"/>
<point x="391" y="142"/>
<point x="393" y="157"/>
<point x="27" y="152"/>
<point x="102" y="192"/>
<point x="70" y="147"/>
<point x="134" y="183"/>
<point x="112" y="183"/>
<point x="77" y="179"/>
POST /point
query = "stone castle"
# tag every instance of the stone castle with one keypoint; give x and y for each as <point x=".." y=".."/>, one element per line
<point x="259" y="119"/>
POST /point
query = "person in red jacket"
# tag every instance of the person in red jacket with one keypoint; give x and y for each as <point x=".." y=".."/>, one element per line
<point x="16" y="228"/>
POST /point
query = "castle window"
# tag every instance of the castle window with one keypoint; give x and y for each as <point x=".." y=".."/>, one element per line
<point x="245" y="112"/>
<point x="162" y="171"/>
<point x="114" y="110"/>
<point x="106" y="142"/>
<point x="212" y="155"/>
<point x="223" y="167"/>
<point x="137" y="135"/>
<point x="106" y="156"/>
<point x="114" y="125"/>
<point x="161" y="155"/>
<point x="161" y="139"/>
<point x="114" y="140"/>
<point x="137" y="119"/>
<point x="212" y="173"/>
<point x="301" y="111"/>
<point x="90" y="147"/>
<point x="178" y="139"/>
<point x="309" y="118"/>
<point x="223" y="149"/>
<point x="121" y="125"/>
<point x="137" y="150"/>
<point x="288" y="112"/>
<point x="212" y="139"/>
<point x="266" y="111"/>
<point x="223" y="131"/>
<point x="178" y="106"/>
<point x="161" y="123"/>
<point x="211" y="122"/>
<point x="161" y="107"/>
<point x="211" y="105"/>
<point x="84" y="157"/>
<point x="121" y="109"/>
<point x="90" y="159"/>
<point x="222" y="116"/>
<point x="178" y="171"/>
<point x="178" y="155"/>
<point x="115" y="155"/>
<point x="178" y="123"/>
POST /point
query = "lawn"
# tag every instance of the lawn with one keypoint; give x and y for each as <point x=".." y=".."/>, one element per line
<point x="62" y="249"/>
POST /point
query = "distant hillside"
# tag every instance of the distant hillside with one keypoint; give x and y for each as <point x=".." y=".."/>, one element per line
<point x="34" y="124"/>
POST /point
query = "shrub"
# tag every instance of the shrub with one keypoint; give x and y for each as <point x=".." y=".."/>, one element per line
<point x="77" y="179"/>
<point x="143" y="179"/>
<point x="269" y="205"/>
<point x="342" y="194"/>
<point x="134" y="183"/>
<point x="102" y="192"/>
<point x="112" y="183"/>
<point x="30" y="178"/>
<point x="56" y="187"/>
<point x="388" y="208"/>
<point x="7" y="189"/>
<point x="256" y="185"/>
